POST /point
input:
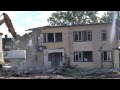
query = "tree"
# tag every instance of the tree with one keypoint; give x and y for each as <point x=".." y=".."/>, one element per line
<point x="108" y="17"/>
<point x="60" y="18"/>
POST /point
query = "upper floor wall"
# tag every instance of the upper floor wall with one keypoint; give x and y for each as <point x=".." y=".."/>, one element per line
<point x="89" y="36"/>
<point x="56" y="38"/>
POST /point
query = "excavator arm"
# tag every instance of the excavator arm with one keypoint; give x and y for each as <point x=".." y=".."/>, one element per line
<point x="11" y="29"/>
<point x="9" y="24"/>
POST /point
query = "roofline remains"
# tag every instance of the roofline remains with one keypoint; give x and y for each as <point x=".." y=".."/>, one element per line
<point x="44" y="27"/>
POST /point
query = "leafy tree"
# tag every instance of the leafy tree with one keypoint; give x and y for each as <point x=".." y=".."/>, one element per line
<point x="60" y="18"/>
<point x="108" y="17"/>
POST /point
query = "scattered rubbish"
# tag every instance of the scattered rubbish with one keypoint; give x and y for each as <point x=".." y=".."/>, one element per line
<point x="20" y="70"/>
<point x="40" y="72"/>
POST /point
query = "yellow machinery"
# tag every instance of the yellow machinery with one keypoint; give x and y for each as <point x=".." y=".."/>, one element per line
<point x="11" y="29"/>
<point x="1" y="52"/>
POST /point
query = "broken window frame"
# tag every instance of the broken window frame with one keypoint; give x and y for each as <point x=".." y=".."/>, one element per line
<point x="80" y="56"/>
<point x="108" y="56"/>
<point x="104" y="35"/>
<point x="82" y="36"/>
<point x="76" y="54"/>
<point x="59" y="37"/>
<point x="82" y="53"/>
<point x="89" y="35"/>
<point x="91" y="57"/>
<point x="48" y="39"/>
<point x="75" y="34"/>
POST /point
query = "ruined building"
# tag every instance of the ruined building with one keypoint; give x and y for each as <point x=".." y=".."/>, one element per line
<point x="81" y="46"/>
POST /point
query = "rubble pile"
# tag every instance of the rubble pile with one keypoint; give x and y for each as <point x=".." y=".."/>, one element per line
<point x="41" y="72"/>
<point x="31" y="73"/>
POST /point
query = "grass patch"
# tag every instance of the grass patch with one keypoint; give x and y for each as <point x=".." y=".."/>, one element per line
<point x="70" y="71"/>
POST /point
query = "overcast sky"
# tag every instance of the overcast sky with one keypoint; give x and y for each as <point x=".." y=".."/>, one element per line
<point x="23" y="20"/>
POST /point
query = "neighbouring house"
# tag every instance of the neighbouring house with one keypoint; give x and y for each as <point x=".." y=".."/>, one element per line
<point x="82" y="46"/>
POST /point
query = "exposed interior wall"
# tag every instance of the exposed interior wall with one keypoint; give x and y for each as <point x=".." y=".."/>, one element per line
<point x="35" y="56"/>
<point x="40" y="56"/>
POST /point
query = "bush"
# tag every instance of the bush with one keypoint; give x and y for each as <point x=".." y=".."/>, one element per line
<point x="69" y="71"/>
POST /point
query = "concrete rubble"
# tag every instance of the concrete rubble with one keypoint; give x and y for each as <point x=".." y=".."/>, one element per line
<point x="30" y="73"/>
<point x="15" y="71"/>
<point x="22" y="71"/>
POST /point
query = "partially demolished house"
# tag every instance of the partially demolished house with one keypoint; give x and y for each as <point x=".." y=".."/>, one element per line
<point x="81" y="46"/>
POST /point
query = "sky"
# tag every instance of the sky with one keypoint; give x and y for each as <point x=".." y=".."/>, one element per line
<point x="24" y="20"/>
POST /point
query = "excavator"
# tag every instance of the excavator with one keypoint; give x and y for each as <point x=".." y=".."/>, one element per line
<point x="9" y="24"/>
<point x="10" y="27"/>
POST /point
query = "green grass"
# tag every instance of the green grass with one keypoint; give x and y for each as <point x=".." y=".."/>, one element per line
<point x="70" y="71"/>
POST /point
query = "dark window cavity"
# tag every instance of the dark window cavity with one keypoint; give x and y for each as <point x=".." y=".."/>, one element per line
<point x="76" y="56"/>
<point x="80" y="36"/>
<point x="83" y="56"/>
<point x="89" y="36"/>
<point x="104" y="35"/>
<point x="50" y="37"/>
<point x="75" y="36"/>
<point x="87" y="56"/>
<point x="106" y="55"/>
<point x="58" y="37"/>
<point x="84" y="35"/>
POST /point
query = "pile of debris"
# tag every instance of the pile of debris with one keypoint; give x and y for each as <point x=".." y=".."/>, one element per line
<point x="41" y="72"/>
<point x="31" y="73"/>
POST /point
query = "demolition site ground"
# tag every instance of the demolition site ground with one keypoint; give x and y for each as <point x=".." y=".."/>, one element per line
<point x="58" y="73"/>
